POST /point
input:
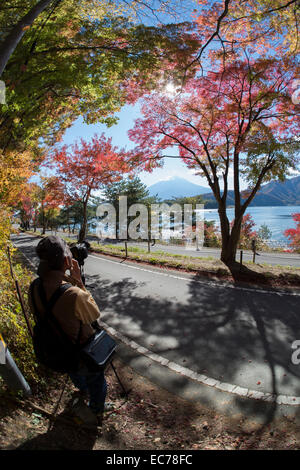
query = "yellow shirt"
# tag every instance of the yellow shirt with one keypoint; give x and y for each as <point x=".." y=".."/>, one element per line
<point x="75" y="305"/>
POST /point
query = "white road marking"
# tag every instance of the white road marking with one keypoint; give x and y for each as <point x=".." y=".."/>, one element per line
<point x="291" y="400"/>
<point x="211" y="283"/>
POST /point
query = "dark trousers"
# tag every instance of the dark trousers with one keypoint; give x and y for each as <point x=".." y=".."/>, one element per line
<point x="93" y="383"/>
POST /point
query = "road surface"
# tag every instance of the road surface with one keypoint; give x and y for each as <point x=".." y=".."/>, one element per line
<point x="279" y="258"/>
<point x="235" y="336"/>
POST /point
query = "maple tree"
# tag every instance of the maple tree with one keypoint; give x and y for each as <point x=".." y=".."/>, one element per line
<point x="14" y="36"/>
<point x="15" y="169"/>
<point x="229" y="24"/>
<point x="86" y="66"/>
<point x="266" y="23"/>
<point x="225" y="28"/>
<point x="26" y="211"/>
<point x="39" y="202"/>
<point x="293" y="234"/>
<point x="85" y="167"/>
<point x="48" y="202"/>
<point x="20" y="18"/>
<point x="211" y="234"/>
<point x="238" y="119"/>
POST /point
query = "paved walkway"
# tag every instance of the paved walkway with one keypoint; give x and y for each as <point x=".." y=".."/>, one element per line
<point x="228" y="347"/>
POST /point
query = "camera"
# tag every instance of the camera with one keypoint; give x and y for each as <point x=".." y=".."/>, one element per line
<point x="80" y="251"/>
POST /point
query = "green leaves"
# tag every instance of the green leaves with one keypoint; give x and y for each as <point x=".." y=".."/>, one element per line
<point x="72" y="63"/>
<point x="264" y="150"/>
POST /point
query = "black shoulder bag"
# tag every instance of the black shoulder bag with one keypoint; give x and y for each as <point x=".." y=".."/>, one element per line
<point x="56" y="349"/>
<point x="53" y="347"/>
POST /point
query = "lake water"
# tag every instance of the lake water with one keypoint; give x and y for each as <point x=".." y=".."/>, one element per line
<point x="277" y="218"/>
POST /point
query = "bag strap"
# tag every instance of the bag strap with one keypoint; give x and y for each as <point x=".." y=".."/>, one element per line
<point x="49" y="304"/>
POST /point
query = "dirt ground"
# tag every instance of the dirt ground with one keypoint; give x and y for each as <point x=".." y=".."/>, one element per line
<point x="150" y="418"/>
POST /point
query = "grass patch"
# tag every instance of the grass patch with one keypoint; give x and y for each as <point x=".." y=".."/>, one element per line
<point x="274" y="275"/>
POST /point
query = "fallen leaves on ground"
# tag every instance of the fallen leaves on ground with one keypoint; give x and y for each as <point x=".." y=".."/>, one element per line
<point x="149" y="419"/>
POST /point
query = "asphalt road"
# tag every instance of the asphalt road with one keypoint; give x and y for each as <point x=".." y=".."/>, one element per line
<point x="234" y="335"/>
<point x="280" y="259"/>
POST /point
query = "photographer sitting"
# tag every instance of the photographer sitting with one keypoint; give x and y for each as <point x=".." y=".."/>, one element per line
<point x="75" y="310"/>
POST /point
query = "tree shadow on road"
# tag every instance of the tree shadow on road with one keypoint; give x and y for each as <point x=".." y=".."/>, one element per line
<point x="218" y="331"/>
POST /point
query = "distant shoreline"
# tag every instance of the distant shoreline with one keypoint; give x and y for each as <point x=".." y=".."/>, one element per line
<point x="270" y="206"/>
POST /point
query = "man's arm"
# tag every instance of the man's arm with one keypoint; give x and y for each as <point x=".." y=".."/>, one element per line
<point x="86" y="308"/>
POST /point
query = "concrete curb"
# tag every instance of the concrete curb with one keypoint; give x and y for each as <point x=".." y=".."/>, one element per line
<point x="200" y="378"/>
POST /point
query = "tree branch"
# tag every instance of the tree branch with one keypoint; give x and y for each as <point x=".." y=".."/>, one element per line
<point x="215" y="34"/>
<point x="14" y="37"/>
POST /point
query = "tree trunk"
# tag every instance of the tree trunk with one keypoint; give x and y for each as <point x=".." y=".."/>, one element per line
<point x="230" y="238"/>
<point x="225" y="233"/>
<point x="82" y="232"/>
<point x="14" y="37"/>
<point x="228" y="254"/>
<point x="43" y="221"/>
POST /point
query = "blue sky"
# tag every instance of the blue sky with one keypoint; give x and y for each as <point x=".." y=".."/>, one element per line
<point x="127" y="116"/>
<point x="118" y="132"/>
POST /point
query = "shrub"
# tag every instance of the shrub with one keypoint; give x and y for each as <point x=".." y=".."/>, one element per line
<point x="12" y="323"/>
<point x="212" y="236"/>
<point x="293" y="234"/>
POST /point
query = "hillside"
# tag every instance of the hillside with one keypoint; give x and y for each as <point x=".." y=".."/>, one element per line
<point x="272" y="194"/>
<point x="276" y="193"/>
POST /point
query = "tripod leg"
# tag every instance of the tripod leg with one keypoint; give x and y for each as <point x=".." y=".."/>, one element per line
<point x="82" y="274"/>
<point x="57" y="405"/>
<point x="113" y="368"/>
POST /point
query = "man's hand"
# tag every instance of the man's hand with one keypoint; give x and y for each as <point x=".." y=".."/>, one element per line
<point x="75" y="271"/>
